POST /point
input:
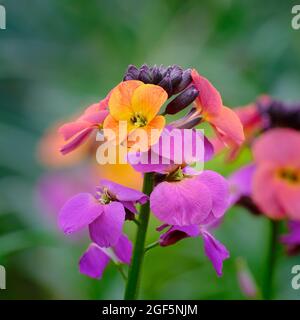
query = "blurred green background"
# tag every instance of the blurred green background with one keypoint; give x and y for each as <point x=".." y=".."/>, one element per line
<point x="58" y="56"/>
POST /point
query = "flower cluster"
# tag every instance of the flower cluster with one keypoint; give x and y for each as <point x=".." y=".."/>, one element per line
<point x="270" y="185"/>
<point x="188" y="202"/>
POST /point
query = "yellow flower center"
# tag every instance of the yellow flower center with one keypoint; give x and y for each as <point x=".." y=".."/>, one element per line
<point x="290" y="175"/>
<point x="138" y="120"/>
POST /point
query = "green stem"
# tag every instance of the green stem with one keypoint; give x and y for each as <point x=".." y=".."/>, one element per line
<point x="151" y="245"/>
<point x="135" y="268"/>
<point x="271" y="260"/>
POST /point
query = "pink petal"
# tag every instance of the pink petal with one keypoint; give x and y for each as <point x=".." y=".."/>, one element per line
<point x="93" y="262"/>
<point x="123" y="193"/>
<point x="219" y="190"/>
<point x="107" y="229"/>
<point x="209" y="100"/>
<point x="215" y="251"/>
<point x="182" y="203"/>
<point x="176" y="233"/>
<point x="77" y="141"/>
<point x="123" y="249"/>
<point x="289" y="197"/>
<point x="228" y="127"/>
<point x="79" y="212"/>
<point x="70" y="129"/>
<point x="95" y="118"/>
<point x="280" y="146"/>
<point x="264" y="191"/>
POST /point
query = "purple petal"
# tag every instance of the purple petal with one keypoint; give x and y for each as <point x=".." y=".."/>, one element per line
<point x="219" y="189"/>
<point x="293" y="237"/>
<point x="181" y="203"/>
<point x="123" y="249"/>
<point x="129" y="205"/>
<point x="240" y="183"/>
<point x="123" y="193"/>
<point x="215" y="251"/>
<point x="208" y="149"/>
<point x="79" y="212"/>
<point x="93" y="262"/>
<point x="107" y="229"/>
<point x="176" y="233"/>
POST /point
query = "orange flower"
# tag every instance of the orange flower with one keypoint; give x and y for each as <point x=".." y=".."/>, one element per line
<point x="137" y="104"/>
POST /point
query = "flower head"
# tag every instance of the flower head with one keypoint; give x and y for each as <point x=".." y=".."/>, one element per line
<point x="94" y="261"/>
<point x="138" y="104"/>
<point x="103" y="212"/>
<point x="78" y="131"/>
<point x="276" y="180"/>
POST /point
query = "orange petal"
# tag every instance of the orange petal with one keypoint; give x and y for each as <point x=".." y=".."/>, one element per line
<point x="143" y="138"/>
<point x="120" y="99"/>
<point x="209" y="100"/>
<point x="228" y="126"/>
<point x="147" y="100"/>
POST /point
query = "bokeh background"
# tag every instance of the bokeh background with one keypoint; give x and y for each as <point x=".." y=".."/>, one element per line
<point x="57" y="57"/>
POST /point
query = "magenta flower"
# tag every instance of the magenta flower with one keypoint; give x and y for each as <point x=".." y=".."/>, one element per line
<point x="103" y="212"/>
<point x="94" y="261"/>
<point x="214" y="250"/>
<point x="186" y="198"/>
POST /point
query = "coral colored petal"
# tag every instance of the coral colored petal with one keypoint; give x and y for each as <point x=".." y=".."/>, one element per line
<point x="182" y="203"/>
<point x="93" y="262"/>
<point x="123" y="193"/>
<point x="228" y="126"/>
<point x="123" y="249"/>
<point x="215" y="251"/>
<point x="70" y="129"/>
<point x="219" y="189"/>
<point x="79" y="212"/>
<point x="264" y="191"/>
<point x="289" y="197"/>
<point x="95" y="118"/>
<point x="107" y="229"/>
<point x="209" y="100"/>
<point x="280" y="146"/>
<point x="120" y="99"/>
<point x="77" y="141"/>
<point x="147" y="100"/>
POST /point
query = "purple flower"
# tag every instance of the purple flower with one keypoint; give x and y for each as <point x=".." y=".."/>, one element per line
<point x="186" y="198"/>
<point x="94" y="261"/>
<point x="214" y="250"/>
<point x="103" y="212"/>
<point x="292" y="239"/>
<point x="174" y="147"/>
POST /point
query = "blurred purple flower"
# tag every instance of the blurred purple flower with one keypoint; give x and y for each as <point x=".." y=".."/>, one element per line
<point x="94" y="261"/>
<point x="103" y="212"/>
<point x="292" y="239"/>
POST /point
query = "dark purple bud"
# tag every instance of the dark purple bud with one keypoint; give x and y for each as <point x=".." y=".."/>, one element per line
<point x="176" y="76"/>
<point x="186" y="80"/>
<point x="166" y="84"/>
<point x="156" y="75"/>
<point x="132" y="71"/>
<point x="145" y="76"/>
<point x="183" y="100"/>
<point x="128" y="77"/>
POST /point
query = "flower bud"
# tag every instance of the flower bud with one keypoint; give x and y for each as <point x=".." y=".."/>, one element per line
<point x="183" y="100"/>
